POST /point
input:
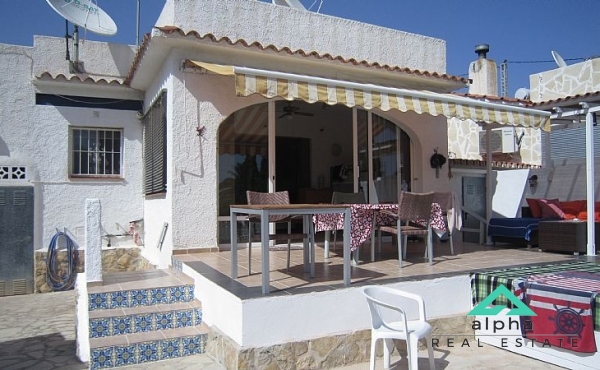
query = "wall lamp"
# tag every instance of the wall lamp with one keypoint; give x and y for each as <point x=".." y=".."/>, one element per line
<point x="533" y="181"/>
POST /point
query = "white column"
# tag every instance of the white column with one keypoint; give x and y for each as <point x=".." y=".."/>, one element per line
<point x="93" y="240"/>
<point x="589" y="163"/>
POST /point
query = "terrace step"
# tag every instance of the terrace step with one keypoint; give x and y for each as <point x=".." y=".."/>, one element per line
<point x="136" y="318"/>
<point x="143" y="319"/>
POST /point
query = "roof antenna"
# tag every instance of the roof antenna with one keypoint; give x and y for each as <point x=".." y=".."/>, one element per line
<point x="68" y="55"/>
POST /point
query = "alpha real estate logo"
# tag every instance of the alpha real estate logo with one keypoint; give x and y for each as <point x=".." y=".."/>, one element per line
<point x="527" y="327"/>
<point x="484" y="308"/>
<point x="492" y="326"/>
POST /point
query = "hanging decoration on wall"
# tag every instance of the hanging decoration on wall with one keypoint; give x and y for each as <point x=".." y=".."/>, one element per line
<point x="437" y="161"/>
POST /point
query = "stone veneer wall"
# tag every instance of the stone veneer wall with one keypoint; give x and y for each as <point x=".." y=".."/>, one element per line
<point x="113" y="260"/>
<point x="327" y="352"/>
<point x="575" y="79"/>
<point x="463" y="142"/>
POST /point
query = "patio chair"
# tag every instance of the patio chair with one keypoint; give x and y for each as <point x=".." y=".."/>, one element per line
<point x="391" y="319"/>
<point x="339" y="197"/>
<point x="279" y="197"/>
<point x="413" y="219"/>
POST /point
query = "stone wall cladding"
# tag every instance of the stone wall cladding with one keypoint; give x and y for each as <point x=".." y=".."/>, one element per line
<point x="324" y="353"/>
<point x="113" y="260"/>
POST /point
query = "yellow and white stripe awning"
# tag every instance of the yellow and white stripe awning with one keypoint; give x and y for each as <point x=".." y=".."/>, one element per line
<point x="312" y="89"/>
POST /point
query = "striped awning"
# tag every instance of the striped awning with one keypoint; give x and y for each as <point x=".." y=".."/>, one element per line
<point x="271" y="84"/>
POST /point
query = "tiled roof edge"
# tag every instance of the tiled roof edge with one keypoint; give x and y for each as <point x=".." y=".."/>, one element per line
<point x="173" y="29"/>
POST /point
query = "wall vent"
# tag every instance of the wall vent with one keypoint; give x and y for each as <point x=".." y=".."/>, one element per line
<point x="19" y="287"/>
<point x="13" y="172"/>
<point x="2" y="288"/>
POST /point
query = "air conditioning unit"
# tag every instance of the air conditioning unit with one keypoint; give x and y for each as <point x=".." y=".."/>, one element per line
<point x="503" y="141"/>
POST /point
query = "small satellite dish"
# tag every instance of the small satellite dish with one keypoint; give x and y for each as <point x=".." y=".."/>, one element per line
<point x="560" y="62"/>
<point x="85" y="14"/>
<point x="522" y="93"/>
<point x="296" y="4"/>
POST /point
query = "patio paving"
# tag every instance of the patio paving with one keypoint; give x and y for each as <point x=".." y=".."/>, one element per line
<point x="37" y="331"/>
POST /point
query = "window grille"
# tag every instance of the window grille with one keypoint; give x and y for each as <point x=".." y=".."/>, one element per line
<point x="96" y="152"/>
<point x="155" y="147"/>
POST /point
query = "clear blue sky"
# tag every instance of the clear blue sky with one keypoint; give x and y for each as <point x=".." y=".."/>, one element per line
<point x="523" y="32"/>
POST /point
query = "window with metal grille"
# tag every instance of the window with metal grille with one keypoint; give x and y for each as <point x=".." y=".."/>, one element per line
<point x="96" y="152"/>
<point x="155" y="147"/>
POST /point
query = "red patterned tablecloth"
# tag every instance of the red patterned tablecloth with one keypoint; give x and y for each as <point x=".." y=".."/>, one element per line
<point x="361" y="221"/>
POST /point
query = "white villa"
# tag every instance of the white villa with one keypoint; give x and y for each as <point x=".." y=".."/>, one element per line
<point x="164" y="137"/>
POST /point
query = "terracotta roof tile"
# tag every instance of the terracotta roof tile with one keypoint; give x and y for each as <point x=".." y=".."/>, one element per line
<point x="567" y="99"/>
<point x="80" y="79"/>
<point x="173" y="29"/>
<point x="497" y="165"/>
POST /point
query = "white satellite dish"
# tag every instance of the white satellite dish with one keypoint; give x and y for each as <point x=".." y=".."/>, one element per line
<point x="522" y="93"/>
<point x="560" y="62"/>
<point x="296" y="4"/>
<point x="85" y="14"/>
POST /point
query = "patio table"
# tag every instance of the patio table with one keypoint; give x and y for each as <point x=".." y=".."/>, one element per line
<point x="305" y="210"/>
<point x="362" y="219"/>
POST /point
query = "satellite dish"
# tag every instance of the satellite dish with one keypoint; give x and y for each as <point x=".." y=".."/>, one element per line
<point x="522" y="93"/>
<point x="560" y="62"/>
<point x="296" y="4"/>
<point x="85" y="14"/>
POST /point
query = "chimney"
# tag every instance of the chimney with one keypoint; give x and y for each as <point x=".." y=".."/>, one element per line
<point x="483" y="73"/>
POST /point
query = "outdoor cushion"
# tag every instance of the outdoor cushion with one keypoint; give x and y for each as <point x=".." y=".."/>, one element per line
<point x="536" y="211"/>
<point x="583" y="216"/>
<point x="573" y="206"/>
<point x="551" y="208"/>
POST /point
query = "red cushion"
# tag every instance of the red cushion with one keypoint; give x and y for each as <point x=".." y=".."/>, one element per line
<point x="570" y="213"/>
<point x="551" y="208"/>
<point x="536" y="211"/>
<point x="574" y="206"/>
<point x="583" y="216"/>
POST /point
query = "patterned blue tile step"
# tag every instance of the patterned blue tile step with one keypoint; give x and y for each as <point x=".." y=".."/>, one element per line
<point x="140" y="297"/>
<point x="148" y="351"/>
<point x="104" y="323"/>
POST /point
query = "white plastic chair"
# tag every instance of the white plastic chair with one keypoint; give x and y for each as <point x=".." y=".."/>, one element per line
<point x="389" y="321"/>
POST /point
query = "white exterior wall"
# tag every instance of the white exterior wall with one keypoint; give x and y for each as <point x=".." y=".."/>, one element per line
<point x="37" y="136"/>
<point x="190" y="205"/>
<point x="262" y="322"/>
<point x="270" y="25"/>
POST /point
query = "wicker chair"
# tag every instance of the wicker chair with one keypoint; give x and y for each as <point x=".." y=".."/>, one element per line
<point x="280" y="197"/>
<point x="412" y="207"/>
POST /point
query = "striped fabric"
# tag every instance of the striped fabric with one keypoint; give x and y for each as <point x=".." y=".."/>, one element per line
<point x="311" y="89"/>
<point x="484" y="283"/>
<point x="372" y="97"/>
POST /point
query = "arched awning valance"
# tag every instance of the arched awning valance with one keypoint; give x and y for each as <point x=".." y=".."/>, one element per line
<point x="312" y="89"/>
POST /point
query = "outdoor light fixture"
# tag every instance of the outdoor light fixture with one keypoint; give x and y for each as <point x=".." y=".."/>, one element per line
<point x="533" y="182"/>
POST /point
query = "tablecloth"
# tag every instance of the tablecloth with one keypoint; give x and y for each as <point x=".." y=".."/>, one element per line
<point x="484" y="283"/>
<point x="563" y="303"/>
<point x="361" y="221"/>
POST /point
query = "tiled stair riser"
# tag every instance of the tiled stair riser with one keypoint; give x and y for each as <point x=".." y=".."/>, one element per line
<point x="144" y="322"/>
<point x="140" y="297"/>
<point x="139" y="353"/>
<point x="169" y="314"/>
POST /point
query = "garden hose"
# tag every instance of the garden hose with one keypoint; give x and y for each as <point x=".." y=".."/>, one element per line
<point x="55" y="280"/>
